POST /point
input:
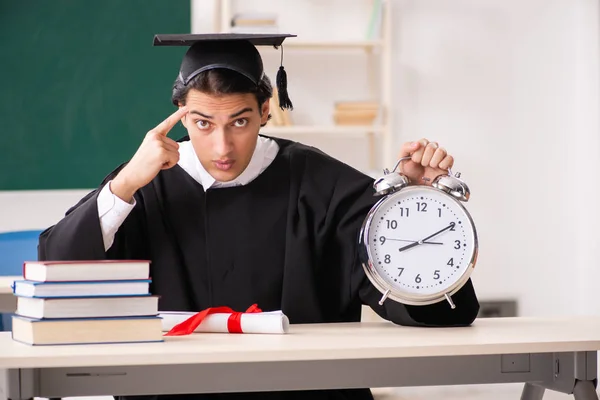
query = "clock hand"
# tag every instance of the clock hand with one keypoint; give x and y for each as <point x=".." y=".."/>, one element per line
<point x="412" y="241"/>
<point x="410" y="246"/>
<point x="450" y="226"/>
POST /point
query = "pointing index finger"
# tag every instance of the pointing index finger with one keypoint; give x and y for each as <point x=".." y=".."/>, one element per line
<point x="164" y="127"/>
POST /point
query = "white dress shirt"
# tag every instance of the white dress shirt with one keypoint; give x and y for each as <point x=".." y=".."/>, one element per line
<point x="113" y="211"/>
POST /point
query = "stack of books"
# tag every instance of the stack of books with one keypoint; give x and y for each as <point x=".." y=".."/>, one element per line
<point x="77" y="302"/>
<point x="355" y="112"/>
<point x="254" y="22"/>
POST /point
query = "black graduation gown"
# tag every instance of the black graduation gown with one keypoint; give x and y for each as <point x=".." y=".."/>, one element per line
<point x="287" y="240"/>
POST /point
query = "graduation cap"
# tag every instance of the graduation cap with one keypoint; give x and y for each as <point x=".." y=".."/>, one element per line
<point x="233" y="51"/>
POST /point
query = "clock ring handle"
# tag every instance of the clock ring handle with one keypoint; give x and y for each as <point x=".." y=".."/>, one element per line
<point x="386" y="171"/>
<point x="449" y="183"/>
<point x="451" y="174"/>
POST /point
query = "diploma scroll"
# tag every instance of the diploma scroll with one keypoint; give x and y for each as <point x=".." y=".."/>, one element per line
<point x="259" y="322"/>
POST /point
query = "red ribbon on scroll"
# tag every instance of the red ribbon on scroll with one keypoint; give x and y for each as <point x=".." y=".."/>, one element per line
<point x="234" y="322"/>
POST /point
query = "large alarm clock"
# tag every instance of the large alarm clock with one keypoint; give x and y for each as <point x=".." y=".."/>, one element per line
<point x="418" y="243"/>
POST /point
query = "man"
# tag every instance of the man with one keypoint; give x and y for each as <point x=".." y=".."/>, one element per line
<point x="229" y="217"/>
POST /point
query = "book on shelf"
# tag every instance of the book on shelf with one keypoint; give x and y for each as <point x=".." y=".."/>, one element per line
<point x="87" y="270"/>
<point x="87" y="307"/>
<point x="254" y="18"/>
<point x="355" y="112"/>
<point x="40" y="332"/>
<point x="254" y="23"/>
<point x="357" y="105"/>
<point x="254" y="29"/>
<point x="279" y="117"/>
<point x="375" y="20"/>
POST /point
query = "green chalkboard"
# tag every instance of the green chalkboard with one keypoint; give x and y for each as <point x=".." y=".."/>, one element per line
<point x="80" y="85"/>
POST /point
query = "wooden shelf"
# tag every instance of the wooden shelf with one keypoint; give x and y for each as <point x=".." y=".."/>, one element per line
<point x="376" y="44"/>
<point x="340" y="130"/>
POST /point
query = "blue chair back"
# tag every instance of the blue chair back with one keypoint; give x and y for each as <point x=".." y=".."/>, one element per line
<point x="15" y="248"/>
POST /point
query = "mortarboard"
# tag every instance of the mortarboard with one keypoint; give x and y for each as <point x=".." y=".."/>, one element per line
<point x="234" y="51"/>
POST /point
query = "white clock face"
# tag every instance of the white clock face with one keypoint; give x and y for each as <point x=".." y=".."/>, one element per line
<point x="421" y="241"/>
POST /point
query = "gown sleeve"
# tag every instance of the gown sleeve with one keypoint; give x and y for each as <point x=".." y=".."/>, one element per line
<point x="350" y="204"/>
<point x="78" y="235"/>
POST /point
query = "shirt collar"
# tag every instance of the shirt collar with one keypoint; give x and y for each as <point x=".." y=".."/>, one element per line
<point x="264" y="153"/>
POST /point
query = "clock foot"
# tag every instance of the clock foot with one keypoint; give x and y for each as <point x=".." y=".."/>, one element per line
<point x="385" y="295"/>
<point x="452" y="305"/>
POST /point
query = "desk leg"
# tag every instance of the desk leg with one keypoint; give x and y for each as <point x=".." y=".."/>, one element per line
<point x="585" y="390"/>
<point x="574" y="373"/>
<point x="10" y="384"/>
<point x="17" y="384"/>
<point x="532" y="392"/>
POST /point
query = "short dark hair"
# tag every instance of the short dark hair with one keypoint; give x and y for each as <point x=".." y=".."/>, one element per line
<point x="223" y="81"/>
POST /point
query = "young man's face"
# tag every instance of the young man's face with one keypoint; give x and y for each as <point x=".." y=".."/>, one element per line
<point x="223" y="130"/>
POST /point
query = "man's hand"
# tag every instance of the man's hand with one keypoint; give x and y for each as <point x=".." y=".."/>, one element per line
<point x="428" y="161"/>
<point x="157" y="152"/>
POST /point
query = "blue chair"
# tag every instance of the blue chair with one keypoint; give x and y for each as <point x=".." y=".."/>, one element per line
<point x="15" y="248"/>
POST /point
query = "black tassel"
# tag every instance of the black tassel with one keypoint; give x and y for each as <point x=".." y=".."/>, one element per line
<point x="284" y="99"/>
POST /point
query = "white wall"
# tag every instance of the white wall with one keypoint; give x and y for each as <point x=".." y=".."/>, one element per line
<point x="32" y="209"/>
<point x="510" y="87"/>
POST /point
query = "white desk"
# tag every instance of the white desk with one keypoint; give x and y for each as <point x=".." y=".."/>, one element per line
<point x="558" y="354"/>
<point x="8" y="302"/>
